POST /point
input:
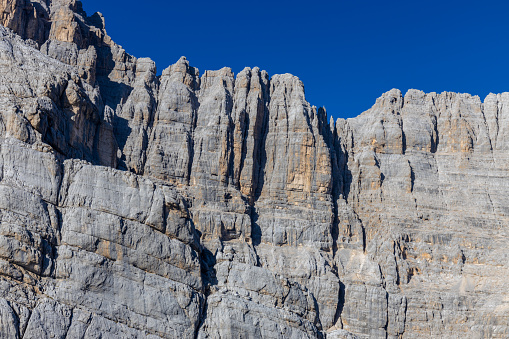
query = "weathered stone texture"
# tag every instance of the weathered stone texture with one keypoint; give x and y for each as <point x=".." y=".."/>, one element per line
<point x="219" y="206"/>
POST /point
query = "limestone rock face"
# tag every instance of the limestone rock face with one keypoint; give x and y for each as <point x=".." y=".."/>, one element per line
<point x="426" y="179"/>
<point x="226" y="206"/>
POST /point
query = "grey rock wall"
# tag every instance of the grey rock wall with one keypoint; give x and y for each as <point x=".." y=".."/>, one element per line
<point x="219" y="206"/>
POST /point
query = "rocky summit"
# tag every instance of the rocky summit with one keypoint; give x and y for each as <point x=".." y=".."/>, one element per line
<point x="226" y="206"/>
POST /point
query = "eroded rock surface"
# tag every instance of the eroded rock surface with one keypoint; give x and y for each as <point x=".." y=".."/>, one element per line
<point x="226" y="206"/>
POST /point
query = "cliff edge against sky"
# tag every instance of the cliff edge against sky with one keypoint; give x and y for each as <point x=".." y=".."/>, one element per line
<point x="218" y="206"/>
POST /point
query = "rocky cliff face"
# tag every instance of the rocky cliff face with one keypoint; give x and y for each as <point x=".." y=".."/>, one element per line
<point x="220" y="206"/>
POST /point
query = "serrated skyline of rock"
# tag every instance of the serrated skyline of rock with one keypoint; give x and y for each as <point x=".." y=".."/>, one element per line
<point x="219" y="206"/>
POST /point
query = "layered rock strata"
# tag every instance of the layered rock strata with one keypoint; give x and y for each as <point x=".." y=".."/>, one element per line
<point x="221" y="206"/>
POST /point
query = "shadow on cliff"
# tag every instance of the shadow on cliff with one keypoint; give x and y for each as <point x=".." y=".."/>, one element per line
<point x="256" y="231"/>
<point x="259" y="176"/>
<point x="121" y="132"/>
<point x="260" y="130"/>
<point x="114" y="94"/>
<point x="208" y="274"/>
<point x="341" y="302"/>
<point x="341" y="176"/>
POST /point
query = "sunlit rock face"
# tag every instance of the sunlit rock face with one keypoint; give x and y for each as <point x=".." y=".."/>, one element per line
<point x="226" y="206"/>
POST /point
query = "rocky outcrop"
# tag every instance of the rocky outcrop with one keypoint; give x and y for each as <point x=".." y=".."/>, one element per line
<point x="219" y="206"/>
<point x="428" y="174"/>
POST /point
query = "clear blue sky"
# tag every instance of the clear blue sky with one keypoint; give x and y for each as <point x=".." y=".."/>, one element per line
<point x="347" y="53"/>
